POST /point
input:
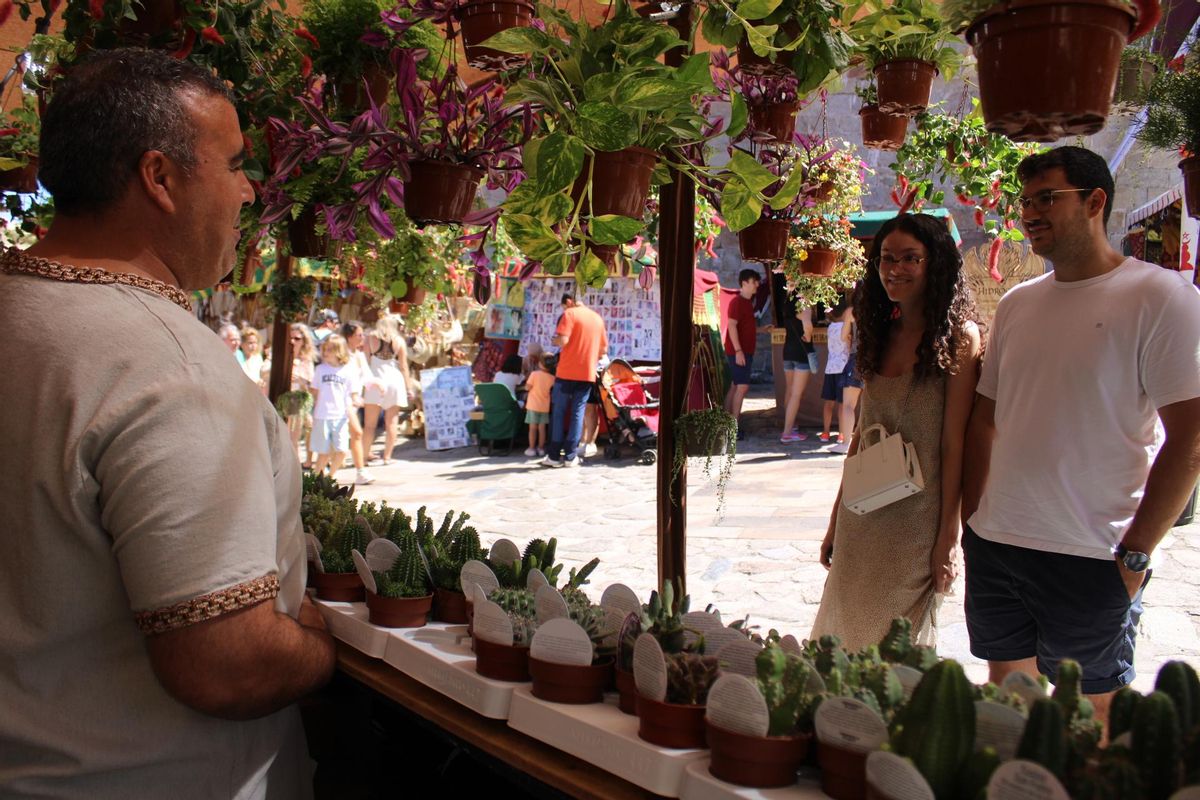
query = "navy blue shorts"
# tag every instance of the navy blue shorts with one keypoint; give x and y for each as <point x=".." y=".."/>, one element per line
<point x="833" y="385"/>
<point x="740" y="376"/>
<point x="1023" y="603"/>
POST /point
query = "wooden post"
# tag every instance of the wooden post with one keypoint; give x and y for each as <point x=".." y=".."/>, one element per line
<point x="281" y="348"/>
<point x="677" y="263"/>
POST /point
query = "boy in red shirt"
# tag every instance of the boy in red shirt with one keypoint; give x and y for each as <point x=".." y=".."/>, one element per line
<point x="740" y="333"/>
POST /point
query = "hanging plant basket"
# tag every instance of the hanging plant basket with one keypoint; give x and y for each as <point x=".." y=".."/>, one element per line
<point x="882" y="131"/>
<point x="449" y="606"/>
<point x="440" y="192"/>
<point x="765" y="241"/>
<point x="398" y="612"/>
<point x="22" y="180"/>
<point x="776" y="119"/>
<point x="337" y="587"/>
<point x="904" y="86"/>
<point x="303" y="239"/>
<point x="1047" y="67"/>
<point x="570" y="683"/>
<point x="758" y="761"/>
<point x="353" y="94"/>
<point x="824" y="192"/>
<point x="620" y="182"/>
<point x="501" y="662"/>
<point x="1133" y="82"/>
<point x="821" y="261"/>
<point x="480" y="20"/>
<point x="670" y="724"/>
<point x="1191" y="184"/>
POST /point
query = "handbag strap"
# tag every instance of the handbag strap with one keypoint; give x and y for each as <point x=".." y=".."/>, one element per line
<point x="912" y="379"/>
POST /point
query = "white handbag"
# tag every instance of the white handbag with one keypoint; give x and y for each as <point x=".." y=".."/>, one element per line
<point x="879" y="474"/>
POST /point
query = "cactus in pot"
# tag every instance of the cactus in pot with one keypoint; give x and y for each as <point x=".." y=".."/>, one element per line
<point x="782" y="679"/>
<point x="335" y="556"/>
<point x="936" y="729"/>
<point x="406" y="577"/>
<point x="539" y="554"/>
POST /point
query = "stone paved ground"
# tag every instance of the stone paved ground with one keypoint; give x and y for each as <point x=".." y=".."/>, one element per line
<point x="759" y="560"/>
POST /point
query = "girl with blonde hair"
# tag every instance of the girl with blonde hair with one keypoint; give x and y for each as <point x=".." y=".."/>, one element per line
<point x="390" y="390"/>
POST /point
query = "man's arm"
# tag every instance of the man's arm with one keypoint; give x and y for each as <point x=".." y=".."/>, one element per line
<point x="244" y="664"/>
<point x="977" y="454"/>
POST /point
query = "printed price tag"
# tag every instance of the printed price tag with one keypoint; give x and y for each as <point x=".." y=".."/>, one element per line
<point x="1024" y="780"/>
<point x="504" y="551"/>
<point x="492" y="623"/>
<point x="549" y="604"/>
<point x="312" y="549"/>
<point x="789" y="645"/>
<point x="1024" y="686"/>
<point x="849" y="723"/>
<point x="909" y="678"/>
<point x="381" y="554"/>
<point x="650" y="668"/>
<point x="738" y="656"/>
<point x="735" y="704"/>
<point x="476" y="572"/>
<point x="622" y="598"/>
<point x="561" y="641"/>
<point x="364" y="571"/>
<point x="897" y="777"/>
<point x="999" y="727"/>
<point x="536" y="580"/>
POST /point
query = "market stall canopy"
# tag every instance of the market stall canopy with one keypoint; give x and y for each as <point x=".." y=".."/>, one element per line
<point x="868" y="223"/>
<point x="1154" y="206"/>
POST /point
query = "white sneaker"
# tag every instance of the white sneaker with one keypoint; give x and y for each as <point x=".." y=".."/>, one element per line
<point x="531" y="451"/>
<point x="589" y="450"/>
<point x="840" y="447"/>
<point x="541" y="451"/>
<point x="362" y="478"/>
<point x="581" y="450"/>
<point x="550" y="462"/>
<point x="572" y="462"/>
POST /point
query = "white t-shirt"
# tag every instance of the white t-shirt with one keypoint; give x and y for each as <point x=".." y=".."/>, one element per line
<point x="1078" y="371"/>
<point x="508" y="379"/>
<point x="839" y="349"/>
<point x="334" y="386"/>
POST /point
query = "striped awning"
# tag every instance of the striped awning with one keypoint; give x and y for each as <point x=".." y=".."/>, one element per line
<point x="1154" y="206"/>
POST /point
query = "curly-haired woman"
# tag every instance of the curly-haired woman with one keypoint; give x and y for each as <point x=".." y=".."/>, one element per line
<point x="918" y="355"/>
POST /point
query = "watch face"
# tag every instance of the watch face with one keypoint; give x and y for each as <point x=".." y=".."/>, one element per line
<point x="1136" y="562"/>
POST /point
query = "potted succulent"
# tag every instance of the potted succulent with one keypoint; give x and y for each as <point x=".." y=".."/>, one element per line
<point x="1017" y="44"/>
<point x="1173" y="120"/>
<point x="582" y="683"/>
<point x="1138" y="70"/>
<point x="338" y="579"/>
<point x="905" y="44"/>
<point x="402" y="596"/>
<point x="509" y="662"/>
<point x="880" y="130"/>
<point x="19" y="147"/>
<point x="454" y="545"/>
<point x="662" y="616"/>
<point x="478" y="21"/>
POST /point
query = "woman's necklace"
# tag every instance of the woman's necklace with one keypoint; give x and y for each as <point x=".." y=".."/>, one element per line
<point x="14" y="261"/>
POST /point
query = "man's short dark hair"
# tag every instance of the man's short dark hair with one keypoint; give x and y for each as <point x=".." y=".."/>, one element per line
<point x="749" y="275"/>
<point x="567" y="296"/>
<point x="113" y="107"/>
<point x="1084" y="170"/>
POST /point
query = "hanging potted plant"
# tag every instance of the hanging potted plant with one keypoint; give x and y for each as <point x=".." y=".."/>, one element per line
<point x="835" y="176"/>
<point x="770" y="101"/>
<point x="880" y="130"/>
<point x="19" y="147"/>
<point x="288" y="299"/>
<point x="760" y="192"/>
<point x="905" y="44"/>
<point x="1138" y="70"/>
<point x="1173" y="120"/>
<point x="407" y="267"/>
<point x="1018" y="43"/>
<point x="823" y="243"/>
<point x="477" y="21"/>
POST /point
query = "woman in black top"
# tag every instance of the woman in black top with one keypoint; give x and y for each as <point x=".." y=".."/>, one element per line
<point x="799" y="362"/>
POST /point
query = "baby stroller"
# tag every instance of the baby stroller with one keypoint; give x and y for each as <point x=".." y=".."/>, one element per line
<point x="629" y="408"/>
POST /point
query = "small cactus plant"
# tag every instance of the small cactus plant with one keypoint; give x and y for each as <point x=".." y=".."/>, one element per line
<point x="336" y="556"/>
<point x="937" y="727"/>
<point x="782" y="679"/>
<point x="406" y="577"/>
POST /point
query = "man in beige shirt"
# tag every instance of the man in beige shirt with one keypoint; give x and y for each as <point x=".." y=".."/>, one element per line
<point x="156" y="634"/>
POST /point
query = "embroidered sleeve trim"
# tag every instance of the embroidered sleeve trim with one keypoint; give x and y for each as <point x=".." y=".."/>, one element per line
<point x="208" y="606"/>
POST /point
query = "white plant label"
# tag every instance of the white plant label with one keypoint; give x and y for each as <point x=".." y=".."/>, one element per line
<point x="382" y="554"/>
<point x="364" y="571"/>
<point x="312" y="549"/>
<point x="612" y="626"/>
<point x="366" y="525"/>
<point x="631" y="623"/>
<point x="737" y="657"/>
<point x="561" y="641"/>
<point x="789" y="644"/>
<point x="700" y="623"/>
<point x="536" y="580"/>
<point x="1124" y="740"/>
<point x="999" y="727"/>
<point x="650" y="668"/>
<point x="476" y="572"/>
<point x="622" y="598"/>
<point x="735" y="704"/>
<point x="492" y="623"/>
<point x="478" y="595"/>
<point x="425" y="564"/>
<point x="721" y="638"/>
<point x="549" y="604"/>
<point x="897" y="776"/>
<point x="850" y="724"/>
<point x="1024" y="780"/>
<point x="504" y="551"/>
<point x="1023" y="686"/>
<point x="909" y="678"/>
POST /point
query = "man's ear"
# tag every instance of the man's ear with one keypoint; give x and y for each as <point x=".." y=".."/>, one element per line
<point x="160" y="179"/>
<point x="1095" y="202"/>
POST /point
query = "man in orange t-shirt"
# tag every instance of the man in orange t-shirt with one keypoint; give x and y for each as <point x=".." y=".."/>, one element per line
<point x="583" y="340"/>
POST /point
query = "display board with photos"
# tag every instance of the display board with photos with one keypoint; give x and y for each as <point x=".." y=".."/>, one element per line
<point x="506" y="311"/>
<point x="630" y="313"/>
<point x="448" y="396"/>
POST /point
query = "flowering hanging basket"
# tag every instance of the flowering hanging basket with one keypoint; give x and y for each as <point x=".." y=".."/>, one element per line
<point x="904" y="86"/>
<point x="880" y="130"/>
<point x="1047" y="68"/>
<point x="440" y="192"/>
<point x="480" y="20"/>
<point x="765" y="241"/>
<point x="821" y="261"/>
<point x="1133" y="81"/>
<point x="22" y="180"/>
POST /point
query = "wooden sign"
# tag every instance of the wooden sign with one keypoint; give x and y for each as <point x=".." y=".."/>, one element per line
<point x="1017" y="265"/>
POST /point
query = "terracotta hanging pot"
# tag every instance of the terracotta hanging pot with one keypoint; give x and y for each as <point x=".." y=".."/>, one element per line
<point x="620" y="182"/>
<point x="843" y="772"/>
<point x="570" y="683"/>
<point x="778" y="120"/>
<point x="1191" y="184"/>
<point x="758" y="761"/>
<point x="670" y="724"/>
<point x="480" y="20"/>
<point x="765" y="240"/>
<point x="449" y="606"/>
<point x="904" y="86"/>
<point x="398" y="612"/>
<point x="22" y="180"/>
<point x="1047" y="67"/>
<point x="501" y="662"/>
<point x="882" y="131"/>
<point x="821" y="261"/>
<point x="353" y="97"/>
<point x="626" y="692"/>
<point x="338" y="587"/>
<point x="303" y="239"/>
<point x="439" y="192"/>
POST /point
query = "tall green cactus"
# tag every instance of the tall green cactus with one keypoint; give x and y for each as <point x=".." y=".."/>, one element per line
<point x="1178" y="680"/>
<point x="1111" y="775"/>
<point x="782" y="678"/>
<point x="662" y="618"/>
<point x="406" y="577"/>
<point x="1045" y="737"/>
<point x="1157" y="745"/>
<point x="335" y="557"/>
<point x="1121" y="709"/>
<point x="897" y="644"/>
<point x="937" y="727"/>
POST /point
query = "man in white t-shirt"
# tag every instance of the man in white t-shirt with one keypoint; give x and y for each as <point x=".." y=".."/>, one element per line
<point x="1069" y="482"/>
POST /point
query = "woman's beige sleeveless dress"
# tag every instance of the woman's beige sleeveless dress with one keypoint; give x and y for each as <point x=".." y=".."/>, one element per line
<point x="880" y="567"/>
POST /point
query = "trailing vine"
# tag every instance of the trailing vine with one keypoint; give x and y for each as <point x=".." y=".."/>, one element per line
<point x="709" y="431"/>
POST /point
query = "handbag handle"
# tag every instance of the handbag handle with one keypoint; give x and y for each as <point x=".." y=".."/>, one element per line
<point x="862" y="437"/>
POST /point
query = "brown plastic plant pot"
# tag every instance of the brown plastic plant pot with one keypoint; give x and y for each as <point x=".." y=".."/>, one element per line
<point x="765" y="240"/>
<point x="843" y="772"/>
<point x="501" y="662"/>
<point x="620" y="182"/>
<point x="777" y="120"/>
<point x="882" y="131"/>
<point x="670" y="724"/>
<point x="626" y="692"/>
<point x="570" y="683"/>
<point x="439" y="192"/>
<point x="338" y="587"/>
<point x="22" y="180"/>
<point x="480" y="20"/>
<point x="303" y="239"/>
<point x="1191" y="184"/>
<point x="355" y="94"/>
<point x="821" y="261"/>
<point x="758" y="761"/>
<point x="904" y="85"/>
<point x="449" y="606"/>
<point x="1018" y="44"/>
<point x="398" y="612"/>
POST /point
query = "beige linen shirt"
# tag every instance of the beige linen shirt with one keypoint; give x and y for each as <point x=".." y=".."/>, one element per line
<point x="145" y="485"/>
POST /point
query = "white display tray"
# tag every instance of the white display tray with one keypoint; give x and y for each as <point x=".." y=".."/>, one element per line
<point x="348" y="622"/>
<point x="604" y="737"/>
<point x="699" y="784"/>
<point x="439" y="656"/>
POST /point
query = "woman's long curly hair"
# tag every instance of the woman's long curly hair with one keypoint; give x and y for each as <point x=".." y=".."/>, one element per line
<point x="948" y="303"/>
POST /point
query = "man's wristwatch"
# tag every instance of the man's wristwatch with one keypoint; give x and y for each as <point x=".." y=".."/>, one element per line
<point x="1132" y="559"/>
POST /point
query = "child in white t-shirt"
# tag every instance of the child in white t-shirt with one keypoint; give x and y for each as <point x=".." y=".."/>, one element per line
<point x="336" y="394"/>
